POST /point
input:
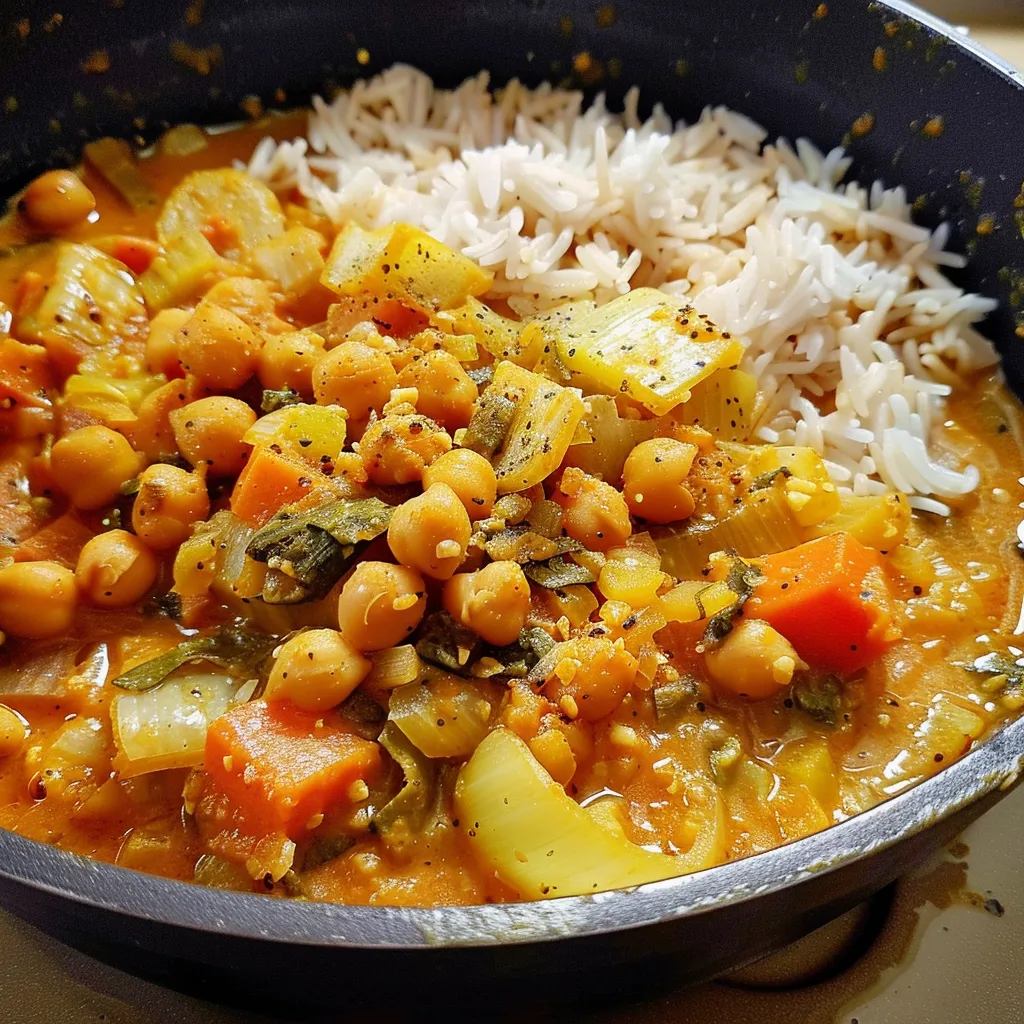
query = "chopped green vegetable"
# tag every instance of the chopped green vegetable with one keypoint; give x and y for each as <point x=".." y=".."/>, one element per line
<point x="764" y="525"/>
<point x="522" y="544"/>
<point x="274" y="400"/>
<point x="445" y="642"/>
<point x="404" y="815"/>
<point x="524" y="423"/>
<point x="741" y="580"/>
<point x="674" y="697"/>
<point x="557" y="572"/>
<point x="819" y="696"/>
<point x="325" y="848"/>
<point x="490" y="423"/>
<point x="314" y="548"/>
<point x="365" y="716"/>
<point x="235" y="648"/>
<point x="766" y="479"/>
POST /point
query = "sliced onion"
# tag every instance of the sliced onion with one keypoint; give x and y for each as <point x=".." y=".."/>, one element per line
<point x="444" y="718"/>
<point x="166" y="727"/>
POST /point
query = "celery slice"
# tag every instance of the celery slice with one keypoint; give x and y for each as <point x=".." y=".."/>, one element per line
<point x="647" y="345"/>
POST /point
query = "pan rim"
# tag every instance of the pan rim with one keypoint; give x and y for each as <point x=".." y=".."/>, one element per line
<point x="995" y="764"/>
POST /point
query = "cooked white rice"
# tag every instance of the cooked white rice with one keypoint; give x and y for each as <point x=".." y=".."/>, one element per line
<point x="852" y="328"/>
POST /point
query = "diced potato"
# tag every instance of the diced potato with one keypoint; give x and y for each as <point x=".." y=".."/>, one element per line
<point x="236" y="212"/>
<point x="293" y="260"/>
<point x="493" y="332"/>
<point x="405" y="263"/>
<point x="809" y="490"/>
<point x="649" y="346"/>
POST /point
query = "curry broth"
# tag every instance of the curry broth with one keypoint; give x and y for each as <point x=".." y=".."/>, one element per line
<point x="766" y="771"/>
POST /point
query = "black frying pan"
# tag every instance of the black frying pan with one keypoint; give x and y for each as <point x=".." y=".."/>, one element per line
<point x="797" y="67"/>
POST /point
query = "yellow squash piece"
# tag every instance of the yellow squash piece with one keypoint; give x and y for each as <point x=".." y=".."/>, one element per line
<point x="401" y="262"/>
<point x="313" y="432"/>
<point x="533" y="421"/>
<point x="522" y="826"/>
<point x="649" y="346"/>
<point x="724" y="404"/>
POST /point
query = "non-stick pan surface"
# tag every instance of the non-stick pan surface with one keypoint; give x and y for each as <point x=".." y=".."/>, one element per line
<point x="945" y="120"/>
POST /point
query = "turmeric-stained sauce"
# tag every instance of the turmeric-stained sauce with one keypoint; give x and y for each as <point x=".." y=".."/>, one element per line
<point x="322" y="576"/>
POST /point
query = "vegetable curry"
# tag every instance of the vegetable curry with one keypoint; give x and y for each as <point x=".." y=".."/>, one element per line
<point x="325" y="576"/>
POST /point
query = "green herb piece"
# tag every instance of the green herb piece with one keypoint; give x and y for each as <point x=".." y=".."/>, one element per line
<point x="325" y="848"/>
<point x="314" y="548"/>
<point x="447" y="643"/>
<point x="235" y="648"/>
<point x="557" y="572"/>
<point x="996" y="663"/>
<point x="819" y="696"/>
<point x="364" y="715"/>
<point x="168" y="604"/>
<point x="741" y="580"/>
<point x="522" y="544"/>
<point x="490" y="423"/>
<point x="404" y="815"/>
<point x="130" y="487"/>
<point x="759" y="483"/>
<point x="274" y="400"/>
<point x="672" y="698"/>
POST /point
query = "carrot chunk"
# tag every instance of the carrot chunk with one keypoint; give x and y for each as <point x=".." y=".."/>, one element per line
<point x="281" y="766"/>
<point x="26" y="377"/>
<point x="829" y="599"/>
<point x="270" y="481"/>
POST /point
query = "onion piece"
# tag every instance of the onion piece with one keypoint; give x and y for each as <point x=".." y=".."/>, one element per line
<point x="165" y="727"/>
<point x="446" y="717"/>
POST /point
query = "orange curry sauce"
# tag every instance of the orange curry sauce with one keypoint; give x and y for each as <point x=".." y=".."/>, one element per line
<point x="780" y="771"/>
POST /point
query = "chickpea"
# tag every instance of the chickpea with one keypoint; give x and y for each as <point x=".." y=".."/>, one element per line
<point x="169" y="501"/>
<point x="399" y="447"/>
<point x="654" y="480"/>
<point x="316" y="670"/>
<point x="595" y="513"/>
<point x="447" y="392"/>
<point x="493" y="602"/>
<point x="209" y="433"/>
<point x="470" y="476"/>
<point x="217" y="347"/>
<point x="355" y="376"/>
<point x="57" y="200"/>
<point x="37" y="599"/>
<point x="380" y="605"/>
<point x="14" y="731"/>
<point x="430" y="532"/>
<point x="591" y="679"/>
<point x="90" y="464"/>
<point x="754" y="660"/>
<point x="287" y="361"/>
<point x="162" y="343"/>
<point x="116" y="569"/>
